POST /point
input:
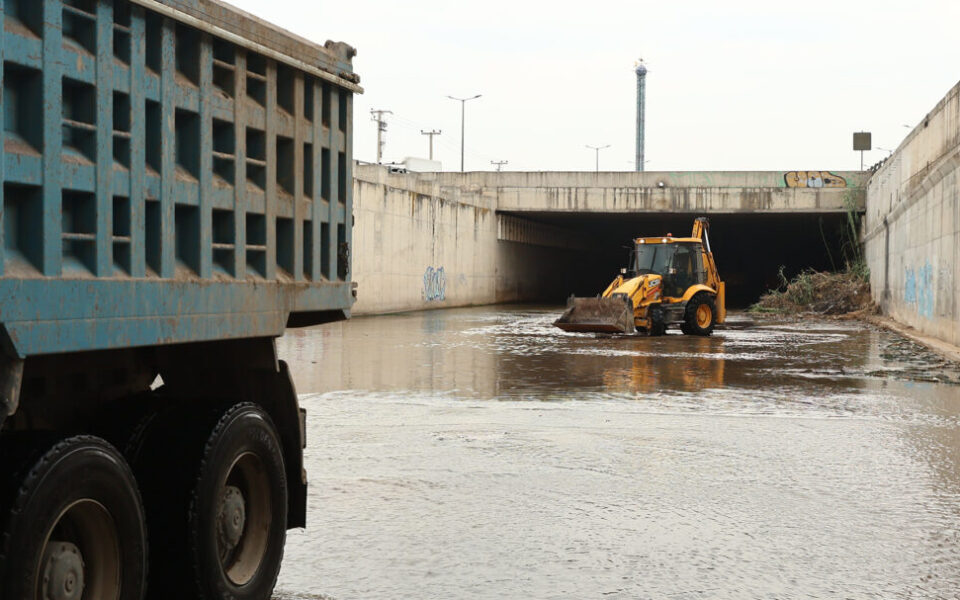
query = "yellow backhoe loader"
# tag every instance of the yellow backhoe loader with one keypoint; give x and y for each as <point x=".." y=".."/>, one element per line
<point x="670" y="281"/>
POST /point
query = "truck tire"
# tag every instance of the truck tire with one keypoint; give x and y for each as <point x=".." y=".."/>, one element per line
<point x="75" y="526"/>
<point x="198" y="469"/>
<point x="700" y="316"/>
<point x="238" y="508"/>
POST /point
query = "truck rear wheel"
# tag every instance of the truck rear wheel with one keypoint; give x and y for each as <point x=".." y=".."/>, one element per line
<point x="216" y="495"/>
<point x="238" y="508"/>
<point x="701" y="315"/>
<point x="75" y="528"/>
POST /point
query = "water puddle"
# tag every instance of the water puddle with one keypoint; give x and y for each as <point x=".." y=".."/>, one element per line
<point x="483" y="453"/>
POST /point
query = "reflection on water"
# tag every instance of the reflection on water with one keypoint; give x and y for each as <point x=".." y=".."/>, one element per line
<point x="482" y="453"/>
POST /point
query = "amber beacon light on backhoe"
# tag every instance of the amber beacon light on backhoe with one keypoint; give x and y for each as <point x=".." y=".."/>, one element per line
<point x="670" y="281"/>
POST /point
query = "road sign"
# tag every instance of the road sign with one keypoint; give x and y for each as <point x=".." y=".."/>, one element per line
<point x="861" y="141"/>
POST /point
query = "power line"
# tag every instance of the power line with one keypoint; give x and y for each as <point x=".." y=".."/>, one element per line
<point x="441" y="142"/>
<point x="413" y="126"/>
<point x="499" y="163"/>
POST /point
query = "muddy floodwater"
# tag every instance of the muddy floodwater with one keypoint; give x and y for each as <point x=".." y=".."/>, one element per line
<point x="482" y="453"/>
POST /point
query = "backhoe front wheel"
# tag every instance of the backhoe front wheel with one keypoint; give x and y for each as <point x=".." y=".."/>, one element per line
<point x="658" y="326"/>
<point x="701" y="315"/>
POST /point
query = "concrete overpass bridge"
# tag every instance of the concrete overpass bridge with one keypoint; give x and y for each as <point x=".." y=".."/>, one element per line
<point x="516" y="236"/>
<point x="744" y="192"/>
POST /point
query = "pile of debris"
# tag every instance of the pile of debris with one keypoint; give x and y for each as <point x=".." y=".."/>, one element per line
<point x="819" y="292"/>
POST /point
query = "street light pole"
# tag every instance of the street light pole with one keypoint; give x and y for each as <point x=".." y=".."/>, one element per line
<point x="598" y="149"/>
<point x="463" y="121"/>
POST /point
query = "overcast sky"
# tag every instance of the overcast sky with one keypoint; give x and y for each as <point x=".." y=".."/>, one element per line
<point x="736" y="85"/>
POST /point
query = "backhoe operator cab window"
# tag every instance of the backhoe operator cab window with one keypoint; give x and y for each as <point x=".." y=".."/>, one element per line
<point x="680" y="265"/>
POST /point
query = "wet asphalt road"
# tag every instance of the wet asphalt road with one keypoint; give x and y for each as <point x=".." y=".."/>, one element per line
<point x="481" y="453"/>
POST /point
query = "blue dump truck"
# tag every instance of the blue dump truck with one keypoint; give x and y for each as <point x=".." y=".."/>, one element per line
<point x="176" y="192"/>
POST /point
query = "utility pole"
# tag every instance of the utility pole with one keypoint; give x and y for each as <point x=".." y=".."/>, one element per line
<point x="377" y="117"/>
<point x="431" y="134"/>
<point x="463" y="111"/>
<point x="598" y="149"/>
<point x="499" y="163"/>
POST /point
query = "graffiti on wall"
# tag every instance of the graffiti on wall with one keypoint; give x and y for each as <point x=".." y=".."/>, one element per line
<point x="918" y="289"/>
<point x="434" y="284"/>
<point x="814" y="179"/>
<point x="910" y="286"/>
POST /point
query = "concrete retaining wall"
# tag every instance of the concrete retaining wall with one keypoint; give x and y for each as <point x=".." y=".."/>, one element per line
<point x="912" y="229"/>
<point x="417" y="246"/>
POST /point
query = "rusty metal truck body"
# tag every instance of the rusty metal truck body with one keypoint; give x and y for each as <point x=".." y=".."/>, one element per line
<point x="176" y="192"/>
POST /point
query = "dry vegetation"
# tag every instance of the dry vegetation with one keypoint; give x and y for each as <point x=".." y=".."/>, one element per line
<point x="819" y="292"/>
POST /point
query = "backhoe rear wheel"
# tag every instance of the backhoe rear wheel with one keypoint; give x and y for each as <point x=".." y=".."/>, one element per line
<point x="701" y="315"/>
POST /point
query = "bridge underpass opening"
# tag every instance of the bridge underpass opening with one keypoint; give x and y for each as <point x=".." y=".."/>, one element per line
<point x="750" y="250"/>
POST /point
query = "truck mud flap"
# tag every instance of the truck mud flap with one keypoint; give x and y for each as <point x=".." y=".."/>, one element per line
<point x="598" y="315"/>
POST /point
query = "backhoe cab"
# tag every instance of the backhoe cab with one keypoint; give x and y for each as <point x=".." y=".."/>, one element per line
<point x="670" y="281"/>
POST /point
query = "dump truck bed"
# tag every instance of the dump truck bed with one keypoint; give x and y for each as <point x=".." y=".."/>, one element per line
<point x="173" y="171"/>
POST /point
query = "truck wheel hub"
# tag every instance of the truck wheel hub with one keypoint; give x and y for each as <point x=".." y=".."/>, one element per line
<point x="62" y="572"/>
<point x="232" y="519"/>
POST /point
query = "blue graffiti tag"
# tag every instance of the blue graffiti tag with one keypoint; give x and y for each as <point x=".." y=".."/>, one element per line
<point x="925" y="291"/>
<point x="910" y="286"/>
<point x="434" y="284"/>
<point x="918" y="289"/>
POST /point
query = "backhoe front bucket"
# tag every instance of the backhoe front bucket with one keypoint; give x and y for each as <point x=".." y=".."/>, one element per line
<point x="599" y="315"/>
